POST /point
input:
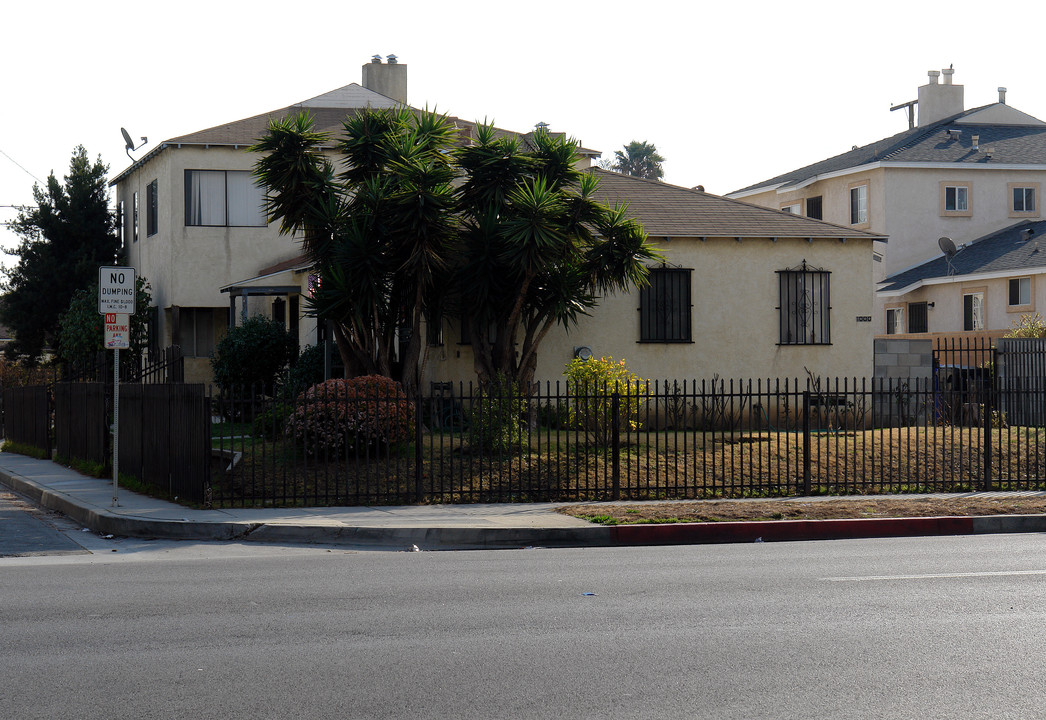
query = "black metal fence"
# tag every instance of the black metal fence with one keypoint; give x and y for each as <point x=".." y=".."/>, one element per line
<point x="27" y="416"/>
<point x="676" y="439"/>
<point x="81" y="421"/>
<point x="976" y="423"/>
<point x="164" y="438"/>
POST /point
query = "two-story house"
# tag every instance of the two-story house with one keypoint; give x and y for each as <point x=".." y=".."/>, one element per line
<point x="744" y="292"/>
<point x="954" y="180"/>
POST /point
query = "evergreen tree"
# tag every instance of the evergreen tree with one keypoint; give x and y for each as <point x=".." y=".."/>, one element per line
<point x="63" y="241"/>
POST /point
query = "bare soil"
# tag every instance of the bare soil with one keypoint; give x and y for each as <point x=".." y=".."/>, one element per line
<point x="788" y="509"/>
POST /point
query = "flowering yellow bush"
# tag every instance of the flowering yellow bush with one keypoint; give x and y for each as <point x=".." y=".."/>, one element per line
<point x="352" y="414"/>
<point x="592" y="385"/>
<point x="1028" y="326"/>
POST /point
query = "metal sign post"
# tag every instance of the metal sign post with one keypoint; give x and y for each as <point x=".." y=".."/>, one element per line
<point x="116" y="301"/>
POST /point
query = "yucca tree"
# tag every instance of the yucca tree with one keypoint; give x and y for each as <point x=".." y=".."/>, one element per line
<point x="639" y="159"/>
<point x="536" y="249"/>
<point x="377" y="232"/>
<point x="414" y="224"/>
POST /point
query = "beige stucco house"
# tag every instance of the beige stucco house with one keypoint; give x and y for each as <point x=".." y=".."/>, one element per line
<point x="959" y="174"/>
<point x="744" y="292"/>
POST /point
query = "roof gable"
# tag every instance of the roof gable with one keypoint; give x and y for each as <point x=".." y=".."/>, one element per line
<point x="1011" y="250"/>
<point x="1016" y="138"/>
<point x="672" y="211"/>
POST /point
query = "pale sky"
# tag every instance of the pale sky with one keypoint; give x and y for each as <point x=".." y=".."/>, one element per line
<point x="731" y="93"/>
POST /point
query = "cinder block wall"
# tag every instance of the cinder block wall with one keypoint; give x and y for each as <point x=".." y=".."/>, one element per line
<point x="898" y="361"/>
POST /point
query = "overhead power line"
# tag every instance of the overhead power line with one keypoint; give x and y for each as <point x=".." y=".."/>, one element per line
<point x="34" y="177"/>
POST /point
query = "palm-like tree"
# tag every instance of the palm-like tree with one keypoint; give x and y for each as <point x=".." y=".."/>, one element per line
<point x="639" y="159"/>
<point x="414" y="225"/>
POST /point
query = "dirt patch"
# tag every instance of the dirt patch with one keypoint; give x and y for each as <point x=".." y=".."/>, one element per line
<point x="750" y="510"/>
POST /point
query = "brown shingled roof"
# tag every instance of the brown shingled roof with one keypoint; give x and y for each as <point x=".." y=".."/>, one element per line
<point x="672" y="211"/>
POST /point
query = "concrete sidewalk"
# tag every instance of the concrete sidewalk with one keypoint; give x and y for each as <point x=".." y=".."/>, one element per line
<point x="89" y="501"/>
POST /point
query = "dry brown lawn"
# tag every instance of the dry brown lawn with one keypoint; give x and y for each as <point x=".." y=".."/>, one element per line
<point x="787" y="509"/>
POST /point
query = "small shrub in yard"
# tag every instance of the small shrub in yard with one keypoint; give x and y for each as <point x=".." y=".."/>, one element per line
<point x="496" y="420"/>
<point x="269" y="424"/>
<point x="252" y="355"/>
<point x="352" y="414"/>
<point x="592" y="385"/>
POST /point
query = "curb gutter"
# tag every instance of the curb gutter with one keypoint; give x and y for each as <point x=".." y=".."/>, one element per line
<point x="448" y="538"/>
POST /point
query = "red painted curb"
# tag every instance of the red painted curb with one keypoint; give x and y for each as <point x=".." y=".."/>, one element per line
<point x="783" y="530"/>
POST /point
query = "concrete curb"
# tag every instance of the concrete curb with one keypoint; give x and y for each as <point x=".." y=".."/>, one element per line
<point x="448" y="538"/>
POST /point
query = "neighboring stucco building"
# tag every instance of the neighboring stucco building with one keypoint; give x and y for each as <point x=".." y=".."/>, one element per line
<point x="979" y="289"/>
<point x="956" y="173"/>
<point x="745" y="292"/>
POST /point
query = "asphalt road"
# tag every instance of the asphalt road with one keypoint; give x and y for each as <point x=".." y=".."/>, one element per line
<point x="900" y="628"/>
<point x="26" y="530"/>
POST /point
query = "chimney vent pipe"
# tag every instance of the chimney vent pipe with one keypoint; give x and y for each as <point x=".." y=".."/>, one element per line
<point x="948" y="72"/>
<point x="934" y="74"/>
<point x="1002" y="95"/>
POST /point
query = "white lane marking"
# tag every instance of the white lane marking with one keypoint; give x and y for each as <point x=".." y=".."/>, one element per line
<point x="935" y="576"/>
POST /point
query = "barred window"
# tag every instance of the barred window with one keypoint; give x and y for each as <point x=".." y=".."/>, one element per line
<point x="664" y="307"/>
<point x="917" y="317"/>
<point x="805" y="306"/>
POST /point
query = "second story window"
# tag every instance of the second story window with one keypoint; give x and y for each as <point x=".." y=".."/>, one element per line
<point x="223" y="198"/>
<point x="894" y="321"/>
<point x="813" y="208"/>
<point x="956" y="198"/>
<point x="859" y="205"/>
<point x="152" y="207"/>
<point x="1020" y="291"/>
<point x="1023" y="200"/>
<point x="973" y="311"/>
<point x="134" y="202"/>
<point x="918" y="318"/>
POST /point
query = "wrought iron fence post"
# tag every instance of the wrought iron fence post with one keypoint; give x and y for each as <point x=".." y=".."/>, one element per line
<point x="615" y="446"/>
<point x="989" y="393"/>
<point x="419" y="490"/>
<point x="806" y="442"/>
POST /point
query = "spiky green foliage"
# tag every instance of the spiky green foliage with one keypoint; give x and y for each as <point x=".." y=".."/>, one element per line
<point x="414" y="224"/>
<point x="639" y="159"/>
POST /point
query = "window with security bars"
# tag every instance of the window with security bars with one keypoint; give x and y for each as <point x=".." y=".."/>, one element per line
<point x="918" y="321"/>
<point x="804" y="306"/>
<point x="665" y="307"/>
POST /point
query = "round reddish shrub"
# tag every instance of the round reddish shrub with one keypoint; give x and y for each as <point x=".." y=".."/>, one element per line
<point x="351" y="414"/>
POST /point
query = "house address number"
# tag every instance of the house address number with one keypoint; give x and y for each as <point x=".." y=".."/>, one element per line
<point x="864" y="318"/>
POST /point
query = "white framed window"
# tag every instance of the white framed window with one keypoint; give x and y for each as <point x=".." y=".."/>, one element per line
<point x="956" y="199"/>
<point x="223" y="198"/>
<point x="859" y="205"/>
<point x="894" y="321"/>
<point x="1024" y="199"/>
<point x="1020" y="291"/>
<point x="973" y="311"/>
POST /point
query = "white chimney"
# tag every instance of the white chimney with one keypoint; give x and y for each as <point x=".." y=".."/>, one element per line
<point x="1002" y="95"/>
<point x="388" y="79"/>
<point x="937" y="101"/>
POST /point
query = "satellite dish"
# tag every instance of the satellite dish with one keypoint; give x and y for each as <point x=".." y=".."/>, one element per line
<point x="129" y="143"/>
<point x="947" y="247"/>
